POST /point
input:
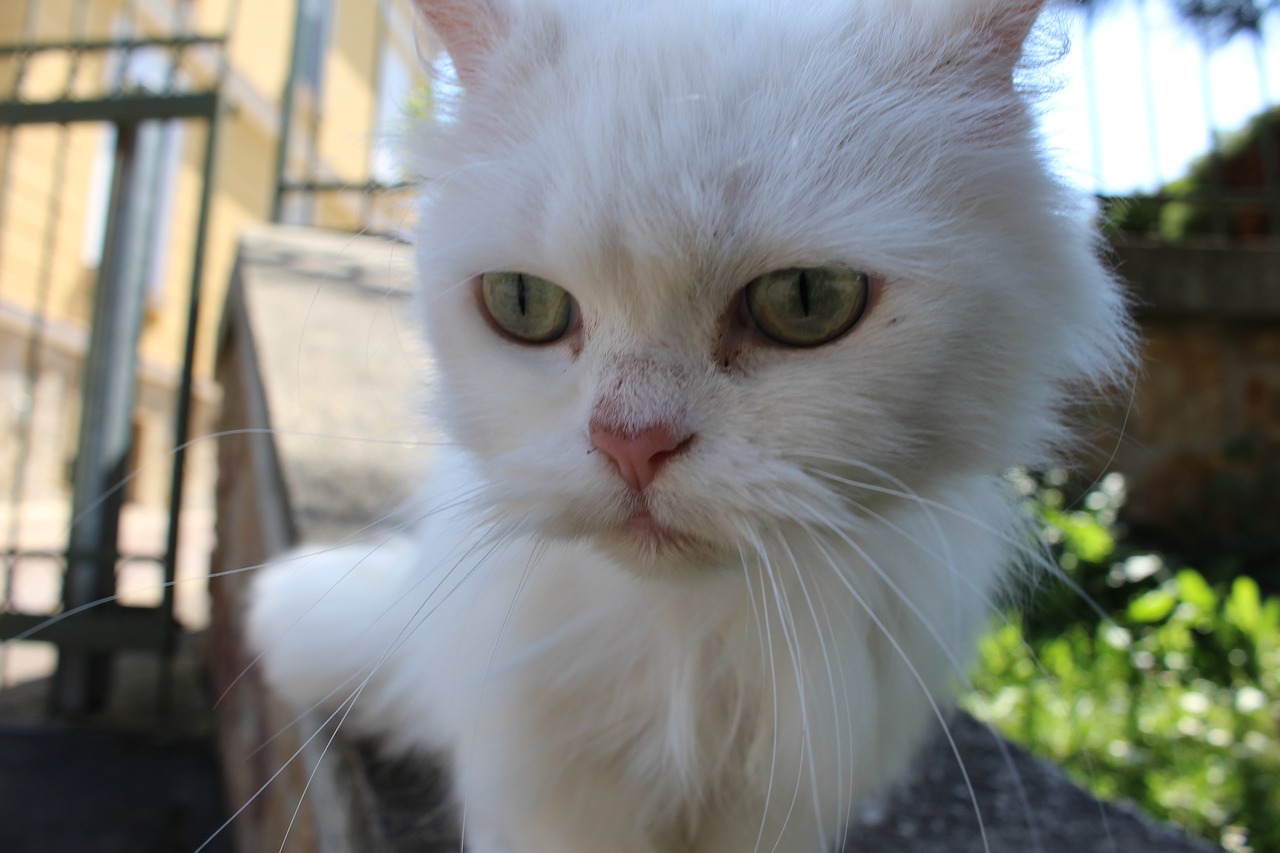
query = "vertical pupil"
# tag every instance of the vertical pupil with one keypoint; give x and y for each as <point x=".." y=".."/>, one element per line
<point x="803" y="284"/>
<point x="522" y="290"/>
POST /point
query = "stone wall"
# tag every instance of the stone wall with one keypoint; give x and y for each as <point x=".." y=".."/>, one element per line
<point x="1200" y="429"/>
<point x="292" y="778"/>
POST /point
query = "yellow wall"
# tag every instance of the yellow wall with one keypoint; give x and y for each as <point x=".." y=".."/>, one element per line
<point x="46" y="171"/>
<point x="348" y="103"/>
<point x="261" y="42"/>
<point x="41" y="251"/>
<point x="43" y="219"/>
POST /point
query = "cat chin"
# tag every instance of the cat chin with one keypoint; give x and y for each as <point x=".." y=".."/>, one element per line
<point x="647" y="549"/>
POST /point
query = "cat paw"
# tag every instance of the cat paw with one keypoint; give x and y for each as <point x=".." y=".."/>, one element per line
<point x="308" y="620"/>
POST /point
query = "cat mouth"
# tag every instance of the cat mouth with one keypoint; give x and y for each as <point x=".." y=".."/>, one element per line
<point x="642" y="523"/>
<point x="645" y="541"/>
<point x="650" y="533"/>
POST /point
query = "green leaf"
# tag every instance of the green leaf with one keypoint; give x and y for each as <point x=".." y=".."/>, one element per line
<point x="1194" y="590"/>
<point x="1152" y="606"/>
<point x="1244" y="606"/>
<point x="1083" y="535"/>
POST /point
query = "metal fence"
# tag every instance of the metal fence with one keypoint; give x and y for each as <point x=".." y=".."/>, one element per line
<point x="88" y="623"/>
<point x="93" y="126"/>
<point x="1166" y="110"/>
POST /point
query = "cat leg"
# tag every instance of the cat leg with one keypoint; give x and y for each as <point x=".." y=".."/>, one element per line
<point x="323" y="621"/>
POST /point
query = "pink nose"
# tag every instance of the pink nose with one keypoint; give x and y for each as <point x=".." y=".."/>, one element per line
<point x="638" y="456"/>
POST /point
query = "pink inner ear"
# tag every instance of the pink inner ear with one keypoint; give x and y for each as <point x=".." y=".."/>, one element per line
<point x="469" y="29"/>
<point x="1011" y="23"/>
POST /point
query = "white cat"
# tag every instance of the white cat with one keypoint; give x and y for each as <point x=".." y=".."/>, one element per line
<point x="740" y="308"/>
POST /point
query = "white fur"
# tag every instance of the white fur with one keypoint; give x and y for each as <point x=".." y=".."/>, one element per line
<point x="651" y="157"/>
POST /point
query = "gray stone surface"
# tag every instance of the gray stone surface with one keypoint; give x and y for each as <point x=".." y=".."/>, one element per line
<point x="321" y="321"/>
<point x="317" y="441"/>
<point x="1010" y="803"/>
<point x="1021" y="804"/>
<point x="342" y="367"/>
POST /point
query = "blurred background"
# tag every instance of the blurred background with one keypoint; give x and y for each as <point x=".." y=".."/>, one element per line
<point x="140" y="139"/>
<point x="137" y="141"/>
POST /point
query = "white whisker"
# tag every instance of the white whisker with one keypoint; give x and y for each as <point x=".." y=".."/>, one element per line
<point x="960" y="668"/>
<point x="792" y="642"/>
<point x="831" y="683"/>
<point x="760" y="620"/>
<point x="540" y="548"/>
<point x="267" y="784"/>
<point x="374" y="663"/>
<point x="1022" y="548"/>
<point x="915" y="674"/>
<point x="367" y="533"/>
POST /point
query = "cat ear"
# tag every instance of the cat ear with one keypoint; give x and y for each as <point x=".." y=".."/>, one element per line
<point x="985" y="38"/>
<point x="1011" y="23"/>
<point x="469" y="30"/>
<point x="1002" y="28"/>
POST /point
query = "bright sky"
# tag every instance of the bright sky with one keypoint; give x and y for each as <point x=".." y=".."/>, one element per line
<point x="1157" y="94"/>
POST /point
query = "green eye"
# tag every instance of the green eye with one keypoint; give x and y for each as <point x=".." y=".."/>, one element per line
<point x="528" y="308"/>
<point x="807" y="307"/>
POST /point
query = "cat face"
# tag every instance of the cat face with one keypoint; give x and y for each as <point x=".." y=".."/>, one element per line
<point x="677" y="211"/>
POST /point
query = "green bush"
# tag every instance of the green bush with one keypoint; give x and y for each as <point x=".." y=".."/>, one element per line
<point x="1172" y="702"/>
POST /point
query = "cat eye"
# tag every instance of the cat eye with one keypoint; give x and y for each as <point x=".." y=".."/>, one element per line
<point x="807" y="307"/>
<point x="528" y="308"/>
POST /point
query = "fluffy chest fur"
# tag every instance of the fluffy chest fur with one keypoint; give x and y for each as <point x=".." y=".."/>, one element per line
<point x="740" y="309"/>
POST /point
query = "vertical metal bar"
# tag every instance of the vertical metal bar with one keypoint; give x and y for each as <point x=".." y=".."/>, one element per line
<point x="286" y="112"/>
<point x="79" y="21"/>
<point x="1268" y="148"/>
<point x="31" y="367"/>
<point x="322" y="32"/>
<point x="1218" y="213"/>
<point x="106" y="426"/>
<point x="1148" y="95"/>
<point x="182" y="421"/>
<point x="32" y="353"/>
<point x="6" y="156"/>
<point x="380" y="47"/>
<point x="1091" y="98"/>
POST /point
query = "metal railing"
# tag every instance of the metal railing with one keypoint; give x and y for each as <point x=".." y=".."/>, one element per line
<point x="1147" y="83"/>
<point x="380" y="212"/>
<point x="90" y="624"/>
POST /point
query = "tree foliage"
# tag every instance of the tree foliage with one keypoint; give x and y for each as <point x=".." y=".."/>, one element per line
<point x="1216" y="19"/>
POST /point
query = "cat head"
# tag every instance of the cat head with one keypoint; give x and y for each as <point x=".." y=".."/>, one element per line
<point x="699" y="272"/>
